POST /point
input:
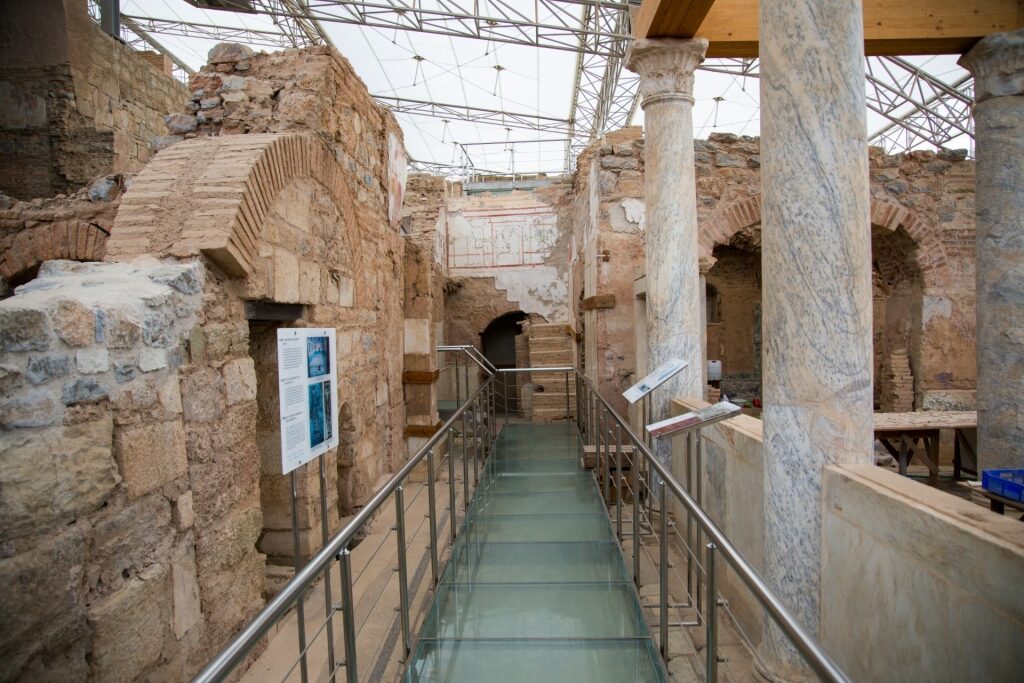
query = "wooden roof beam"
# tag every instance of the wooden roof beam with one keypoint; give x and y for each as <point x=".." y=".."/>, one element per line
<point x="891" y="27"/>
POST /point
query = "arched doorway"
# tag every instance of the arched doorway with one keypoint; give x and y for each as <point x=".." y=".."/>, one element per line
<point x="502" y="344"/>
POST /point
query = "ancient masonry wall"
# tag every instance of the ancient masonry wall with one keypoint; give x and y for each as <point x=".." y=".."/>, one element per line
<point x="506" y="253"/>
<point x="923" y="247"/>
<point x="145" y="384"/>
<point x="75" y="105"/>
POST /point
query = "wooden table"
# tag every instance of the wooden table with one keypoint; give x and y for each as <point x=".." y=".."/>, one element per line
<point x="905" y="435"/>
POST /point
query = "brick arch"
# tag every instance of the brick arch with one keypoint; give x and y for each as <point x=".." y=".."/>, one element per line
<point x="210" y="196"/>
<point x="888" y="215"/>
<point x="74" y="240"/>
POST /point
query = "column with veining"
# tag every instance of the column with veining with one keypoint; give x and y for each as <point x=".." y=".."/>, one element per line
<point x="997" y="63"/>
<point x="674" y="294"/>
<point x="816" y="265"/>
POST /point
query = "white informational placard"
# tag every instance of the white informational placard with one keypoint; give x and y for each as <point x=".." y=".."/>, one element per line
<point x="661" y="374"/>
<point x="307" y="382"/>
<point x="722" y="410"/>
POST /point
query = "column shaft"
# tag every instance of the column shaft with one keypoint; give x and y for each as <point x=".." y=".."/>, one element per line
<point x="673" y="282"/>
<point x="997" y="63"/>
<point x="816" y="269"/>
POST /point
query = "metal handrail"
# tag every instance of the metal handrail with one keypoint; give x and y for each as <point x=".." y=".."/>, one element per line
<point x="815" y="655"/>
<point x="234" y="652"/>
<point x="474" y="354"/>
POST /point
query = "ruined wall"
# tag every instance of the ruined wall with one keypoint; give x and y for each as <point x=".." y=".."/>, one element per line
<point x="506" y="253"/>
<point x="74" y="103"/>
<point x="74" y="227"/>
<point x="923" y="250"/>
<point x="425" y="264"/>
<point x="139" y="377"/>
<point x="608" y="253"/>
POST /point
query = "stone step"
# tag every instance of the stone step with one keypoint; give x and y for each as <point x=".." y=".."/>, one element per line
<point x="549" y="330"/>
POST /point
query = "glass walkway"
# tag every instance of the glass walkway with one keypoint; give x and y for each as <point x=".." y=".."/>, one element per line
<point x="536" y="588"/>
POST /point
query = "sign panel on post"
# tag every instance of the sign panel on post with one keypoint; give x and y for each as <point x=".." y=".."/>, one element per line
<point x="308" y="389"/>
<point x="661" y="374"/>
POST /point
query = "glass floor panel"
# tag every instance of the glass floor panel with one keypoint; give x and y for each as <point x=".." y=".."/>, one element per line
<point x="536" y="563"/>
<point x="536" y="588"/>
<point x="534" y="611"/>
<point x="504" y="661"/>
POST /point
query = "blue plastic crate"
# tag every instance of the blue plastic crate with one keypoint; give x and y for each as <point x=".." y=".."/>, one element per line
<point x="1005" y="483"/>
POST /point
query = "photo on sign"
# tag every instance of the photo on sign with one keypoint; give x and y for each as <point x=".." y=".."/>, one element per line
<point x="318" y="356"/>
<point x="327" y="410"/>
<point x="318" y="429"/>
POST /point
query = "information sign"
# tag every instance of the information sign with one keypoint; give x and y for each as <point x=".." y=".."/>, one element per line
<point x="308" y="390"/>
<point x="694" y="420"/>
<point x="661" y="374"/>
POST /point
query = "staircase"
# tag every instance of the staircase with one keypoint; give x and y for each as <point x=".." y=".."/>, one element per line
<point x="551" y="345"/>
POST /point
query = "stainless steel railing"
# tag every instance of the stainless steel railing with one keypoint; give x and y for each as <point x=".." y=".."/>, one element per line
<point x="605" y="430"/>
<point x="475" y="416"/>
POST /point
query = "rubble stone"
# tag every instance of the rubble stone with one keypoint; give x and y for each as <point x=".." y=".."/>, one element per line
<point x="150" y="456"/>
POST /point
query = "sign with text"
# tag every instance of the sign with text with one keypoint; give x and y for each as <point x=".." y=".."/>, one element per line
<point x="661" y="374"/>
<point x="694" y="420"/>
<point x="308" y="391"/>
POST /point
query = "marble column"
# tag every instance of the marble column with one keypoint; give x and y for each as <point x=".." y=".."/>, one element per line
<point x="816" y="293"/>
<point x="674" y="293"/>
<point x="997" y="63"/>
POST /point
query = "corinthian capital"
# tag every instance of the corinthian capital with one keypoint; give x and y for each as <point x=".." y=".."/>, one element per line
<point x="997" y="64"/>
<point x="666" y="67"/>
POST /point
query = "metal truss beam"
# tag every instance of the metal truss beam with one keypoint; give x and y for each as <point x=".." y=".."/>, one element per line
<point x="143" y="34"/>
<point x="228" y="34"/>
<point x="604" y="95"/>
<point x="461" y="112"/>
<point x="295" y="20"/>
<point x="553" y="24"/>
<point x="919" y="106"/>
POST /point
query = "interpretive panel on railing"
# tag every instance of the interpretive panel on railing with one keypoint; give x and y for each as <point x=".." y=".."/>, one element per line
<point x="661" y="374"/>
<point x="694" y="420"/>
<point x="306" y="366"/>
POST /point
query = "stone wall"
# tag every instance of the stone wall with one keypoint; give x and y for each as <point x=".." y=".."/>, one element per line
<point x="505" y="253"/>
<point x="923" y="251"/>
<point x="74" y="227"/>
<point x="74" y="103"/>
<point x="151" y="379"/>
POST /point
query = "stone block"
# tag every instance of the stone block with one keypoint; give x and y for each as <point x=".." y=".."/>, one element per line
<point x="240" y="380"/>
<point x="74" y="323"/>
<point x="286" y="277"/>
<point x="227" y="544"/>
<point x="124" y="371"/>
<point x="309" y="282"/>
<point x="23" y="329"/>
<point x="117" y="329"/>
<point x="92" y="361"/>
<point x="158" y="330"/>
<point x="127" y="539"/>
<point x="233" y="596"/>
<point x="183" y="514"/>
<point x="185" y="588"/>
<point x="229" y="52"/>
<point x="150" y="456"/>
<point x="83" y="391"/>
<point x="51" y="476"/>
<point x="151" y="360"/>
<point x="169" y="393"/>
<point x="43" y="607"/>
<point x="128" y="627"/>
<point x="41" y="369"/>
<point x="346" y="292"/>
<point x="180" y="124"/>
<point x="28" y="409"/>
<point x="202" y="395"/>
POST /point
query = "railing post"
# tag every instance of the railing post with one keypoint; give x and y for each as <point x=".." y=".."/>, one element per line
<point x="458" y="392"/>
<point x="328" y="602"/>
<point x="451" y="476"/>
<point x="465" y="455"/>
<point x="635" y="471"/>
<point x="432" y="511"/>
<point x="348" y="615"/>
<point x="691" y="440"/>
<point x="568" y="416"/>
<point x="618" y="481"/>
<point x="299" y="608"/>
<point x="403" y="570"/>
<point x="663" y="577"/>
<point x="700" y="534"/>
<point x="607" y="465"/>
<point x="711" y="651"/>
